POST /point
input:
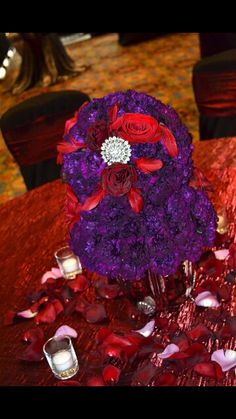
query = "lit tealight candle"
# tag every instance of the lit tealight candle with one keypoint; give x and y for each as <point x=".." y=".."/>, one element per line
<point x="70" y="265"/>
<point x="63" y="360"/>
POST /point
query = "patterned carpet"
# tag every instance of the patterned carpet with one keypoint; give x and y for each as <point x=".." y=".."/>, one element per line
<point x="161" y="67"/>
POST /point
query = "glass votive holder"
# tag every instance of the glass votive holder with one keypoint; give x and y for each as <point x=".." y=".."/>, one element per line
<point x="68" y="262"/>
<point x="61" y="357"/>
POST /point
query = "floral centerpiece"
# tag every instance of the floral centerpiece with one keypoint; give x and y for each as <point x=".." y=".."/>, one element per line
<point x="127" y="159"/>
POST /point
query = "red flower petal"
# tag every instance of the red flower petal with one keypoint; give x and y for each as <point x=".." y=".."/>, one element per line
<point x="109" y="291"/>
<point x="135" y="199"/>
<point x="95" y="313"/>
<point x="162" y="322"/>
<point x="111" y="374"/>
<point x="113" y="112"/>
<point x="81" y="305"/>
<point x="58" y="306"/>
<point x="232" y="256"/>
<point x="200" y="331"/>
<point x="47" y="315"/>
<point x="169" y="141"/>
<point x="148" y="165"/>
<point x="93" y="200"/>
<point x="144" y="375"/>
<point x="80" y="283"/>
<point x="34" y="352"/>
<point x="166" y="379"/>
<point x="209" y="369"/>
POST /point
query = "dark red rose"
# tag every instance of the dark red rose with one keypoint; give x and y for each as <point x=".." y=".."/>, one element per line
<point x="97" y="134"/>
<point x="137" y="128"/>
<point x="117" y="179"/>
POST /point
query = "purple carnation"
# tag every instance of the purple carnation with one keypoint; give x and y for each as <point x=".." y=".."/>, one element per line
<point x="176" y="221"/>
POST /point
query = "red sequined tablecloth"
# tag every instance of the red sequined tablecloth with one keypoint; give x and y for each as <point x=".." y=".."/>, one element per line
<point x="32" y="227"/>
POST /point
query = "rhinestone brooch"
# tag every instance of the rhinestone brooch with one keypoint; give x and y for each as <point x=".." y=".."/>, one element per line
<point x="115" y="150"/>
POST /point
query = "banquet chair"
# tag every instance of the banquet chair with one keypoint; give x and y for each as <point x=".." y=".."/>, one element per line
<point x="32" y="130"/>
<point x="214" y="86"/>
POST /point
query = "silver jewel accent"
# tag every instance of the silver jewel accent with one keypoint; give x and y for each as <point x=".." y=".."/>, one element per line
<point x="115" y="150"/>
<point x="147" y="306"/>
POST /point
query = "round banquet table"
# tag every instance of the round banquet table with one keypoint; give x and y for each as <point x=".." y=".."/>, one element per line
<point x="32" y="227"/>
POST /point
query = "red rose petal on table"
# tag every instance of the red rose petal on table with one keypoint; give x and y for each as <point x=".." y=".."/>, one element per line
<point x="95" y="313"/>
<point x="111" y="374"/>
<point x="113" y="338"/>
<point x="96" y="381"/>
<point x="66" y="330"/>
<point x="80" y="283"/>
<point x="81" y="305"/>
<point x="232" y="256"/>
<point x="47" y="315"/>
<point x="58" y="306"/>
<point x="109" y="291"/>
<point x="209" y="369"/>
<point x="144" y="375"/>
<point x="162" y="322"/>
<point x="224" y="293"/>
<point x="166" y="379"/>
<point x="34" y="352"/>
<point x="102" y="334"/>
<point x="111" y="350"/>
<point x="181" y="341"/>
<point x="200" y="331"/>
<point x="224" y="333"/>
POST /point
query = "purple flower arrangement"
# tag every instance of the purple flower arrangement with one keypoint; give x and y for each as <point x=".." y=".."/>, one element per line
<point x="127" y="159"/>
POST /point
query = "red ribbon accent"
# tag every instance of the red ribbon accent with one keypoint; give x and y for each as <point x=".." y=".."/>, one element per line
<point x="65" y="148"/>
<point x="148" y="165"/>
<point x="72" y="207"/>
<point x="135" y="199"/>
<point x="93" y="200"/>
<point x="169" y="141"/>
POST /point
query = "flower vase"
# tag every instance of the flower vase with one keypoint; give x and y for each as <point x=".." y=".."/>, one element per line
<point x="156" y="293"/>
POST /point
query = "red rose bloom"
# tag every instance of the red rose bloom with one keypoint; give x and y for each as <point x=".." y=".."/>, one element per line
<point x="117" y="180"/>
<point x="137" y="128"/>
<point x="96" y="135"/>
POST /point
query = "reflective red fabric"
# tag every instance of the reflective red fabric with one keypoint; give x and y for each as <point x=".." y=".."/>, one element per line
<point x="32" y="227"/>
<point x="36" y="142"/>
<point x="215" y="93"/>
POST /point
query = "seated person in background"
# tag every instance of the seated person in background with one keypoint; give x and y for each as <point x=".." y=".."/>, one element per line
<point x="44" y="61"/>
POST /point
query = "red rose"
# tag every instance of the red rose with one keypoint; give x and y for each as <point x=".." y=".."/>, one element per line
<point x="117" y="180"/>
<point x="137" y="128"/>
<point x="97" y="134"/>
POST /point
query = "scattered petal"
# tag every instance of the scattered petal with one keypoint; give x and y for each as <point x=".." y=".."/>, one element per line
<point x="27" y="314"/>
<point x="80" y="283"/>
<point x="206" y="299"/>
<point x="225" y="358"/>
<point x="166" y="379"/>
<point x="66" y="330"/>
<point x="95" y="313"/>
<point x="96" y="381"/>
<point x="169" y="350"/>
<point x="200" y="331"/>
<point x="147" y="329"/>
<point x="33" y="334"/>
<point x="102" y="334"/>
<point x="34" y="352"/>
<point x="209" y="369"/>
<point x="47" y="315"/>
<point x="221" y="254"/>
<point x="144" y="375"/>
<point x="54" y="273"/>
<point x="109" y="291"/>
<point x="111" y="374"/>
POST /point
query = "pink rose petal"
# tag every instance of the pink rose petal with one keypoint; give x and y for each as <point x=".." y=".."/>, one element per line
<point x="169" y="350"/>
<point x="147" y="329"/>
<point x="221" y="254"/>
<point x="27" y="314"/>
<point x="66" y="330"/>
<point x="206" y="299"/>
<point x="54" y="273"/>
<point x="226" y="359"/>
